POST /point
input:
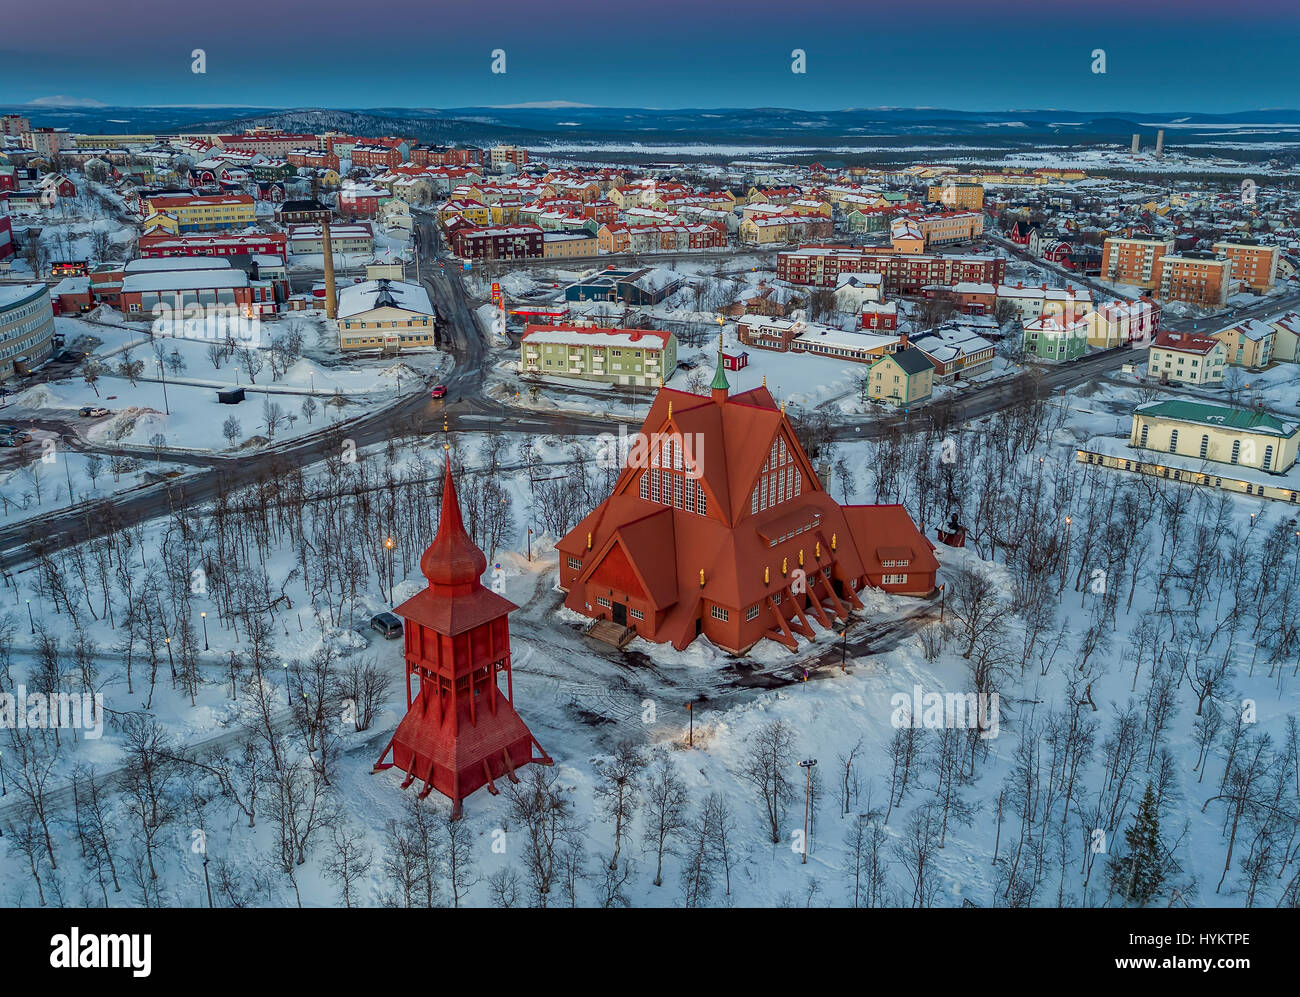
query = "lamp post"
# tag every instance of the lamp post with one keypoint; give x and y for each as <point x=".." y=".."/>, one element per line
<point x="288" y="697"/>
<point x="389" y="544"/>
<point x="942" y="596"/>
<point x="807" y="766"/>
<point x="4" y="790"/>
<point x="162" y="373"/>
<point x="690" y="712"/>
<point x="170" y="660"/>
<point x="530" y="543"/>
<point x="844" y="649"/>
<point x="29" y="616"/>
<point x="204" y="618"/>
<point x="1065" y="563"/>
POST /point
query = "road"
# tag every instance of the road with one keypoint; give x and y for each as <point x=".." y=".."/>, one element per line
<point x="466" y="406"/>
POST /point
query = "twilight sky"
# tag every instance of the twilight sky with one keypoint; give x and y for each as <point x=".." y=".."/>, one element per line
<point x="1162" y="55"/>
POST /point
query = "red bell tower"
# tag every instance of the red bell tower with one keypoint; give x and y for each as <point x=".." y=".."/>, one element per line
<point x="460" y="731"/>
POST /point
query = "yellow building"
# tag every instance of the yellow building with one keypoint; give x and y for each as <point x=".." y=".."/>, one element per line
<point x="902" y="378"/>
<point x="1219" y="433"/>
<point x="1248" y="344"/>
<point x="969" y="196"/>
<point x="205" y="212"/>
<point x="569" y="245"/>
<point x="1217" y="446"/>
<point x="112" y="141"/>
<point x="385" y="315"/>
<point x="762" y="230"/>
<point x="474" y="211"/>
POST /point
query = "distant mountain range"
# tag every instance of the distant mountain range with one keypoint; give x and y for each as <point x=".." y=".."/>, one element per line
<point x="555" y="121"/>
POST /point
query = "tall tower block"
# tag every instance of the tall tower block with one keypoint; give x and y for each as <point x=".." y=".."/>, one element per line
<point x="1137" y="143"/>
<point x="461" y="731"/>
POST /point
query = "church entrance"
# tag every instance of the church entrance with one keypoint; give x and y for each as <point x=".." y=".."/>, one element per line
<point x="620" y="614"/>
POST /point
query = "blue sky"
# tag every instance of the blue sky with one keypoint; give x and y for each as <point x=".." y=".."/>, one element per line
<point x="1161" y="55"/>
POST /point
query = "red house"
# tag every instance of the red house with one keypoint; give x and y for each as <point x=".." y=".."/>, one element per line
<point x="460" y="732"/>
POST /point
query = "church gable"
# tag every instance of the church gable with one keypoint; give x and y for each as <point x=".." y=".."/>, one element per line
<point x="784" y="474"/>
<point x="616" y="571"/>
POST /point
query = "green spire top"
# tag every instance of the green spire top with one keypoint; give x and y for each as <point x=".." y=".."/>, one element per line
<point x="720" y="375"/>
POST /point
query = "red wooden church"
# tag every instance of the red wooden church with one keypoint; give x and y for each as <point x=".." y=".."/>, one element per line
<point x="720" y="527"/>
<point x="460" y="732"/>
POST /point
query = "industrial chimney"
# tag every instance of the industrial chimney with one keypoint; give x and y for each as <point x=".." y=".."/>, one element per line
<point x="331" y="295"/>
<point x="1137" y="143"/>
<point x="1160" y="143"/>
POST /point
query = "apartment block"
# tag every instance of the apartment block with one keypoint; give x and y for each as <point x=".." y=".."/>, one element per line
<point x="1134" y="260"/>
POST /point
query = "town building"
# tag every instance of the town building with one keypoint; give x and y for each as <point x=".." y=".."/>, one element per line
<point x="1185" y="358"/>
<point x="719" y="527"/>
<point x="501" y="155"/>
<point x="47" y="142"/>
<point x="821" y="266"/>
<point x="1113" y="323"/>
<point x="26" y="327"/>
<point x="302" y="210"/>
<point x="151" y="291"/>
<point x="385" y="315"/>
<point x="497" y="242"/>
<point x="1056" y="337"/>
<point x="611" y="355"/>
<point x="1253" y="264"/>
<point x="1135" y="260"/>
<point x="1248" y="344"/>
<point x="354" y="237"/>
<point x="904" y="377"/>
<point x="1198" y="278"/>
<point x="631" y="285"/>
<point x="965" y="195"/>
<point x="569" y="245"/>
<point x="853" y="290"/>
<point x="956" y="350"/>
<point x="162" y="244"/>
<point x="1238" y="450"/>
<point x="201" y="213"/>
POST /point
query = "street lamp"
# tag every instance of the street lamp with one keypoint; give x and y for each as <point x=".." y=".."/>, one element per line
<point x="4" y="790"/>
<point x="204" y="618"/>
<point x="288" y="697"/>
<point x="162" y="373"/>
<point x="530" y="543"/>
<point x="389" y="544"/>
<point x="942" y="597"/>
<point x="170" y="660"/>
<point x="690" y="712"/>
<point x="29" y="616"/>
<point x="807" y="766"/>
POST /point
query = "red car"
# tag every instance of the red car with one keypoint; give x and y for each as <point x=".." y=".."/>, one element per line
<point x="439" y="392"/>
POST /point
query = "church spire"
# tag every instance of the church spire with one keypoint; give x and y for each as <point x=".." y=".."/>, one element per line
<point x="452" y="560"/>
<point x="720" y="387"/>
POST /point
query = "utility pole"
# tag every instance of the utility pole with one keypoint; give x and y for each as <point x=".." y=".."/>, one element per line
<point x="807" y="766"/>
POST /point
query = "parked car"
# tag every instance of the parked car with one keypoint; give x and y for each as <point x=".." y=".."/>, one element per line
<point x="387" y="624"/>
<point x="439" y="391"/>
<point x="10" y="441"/>
<point x="9" y="430"/>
